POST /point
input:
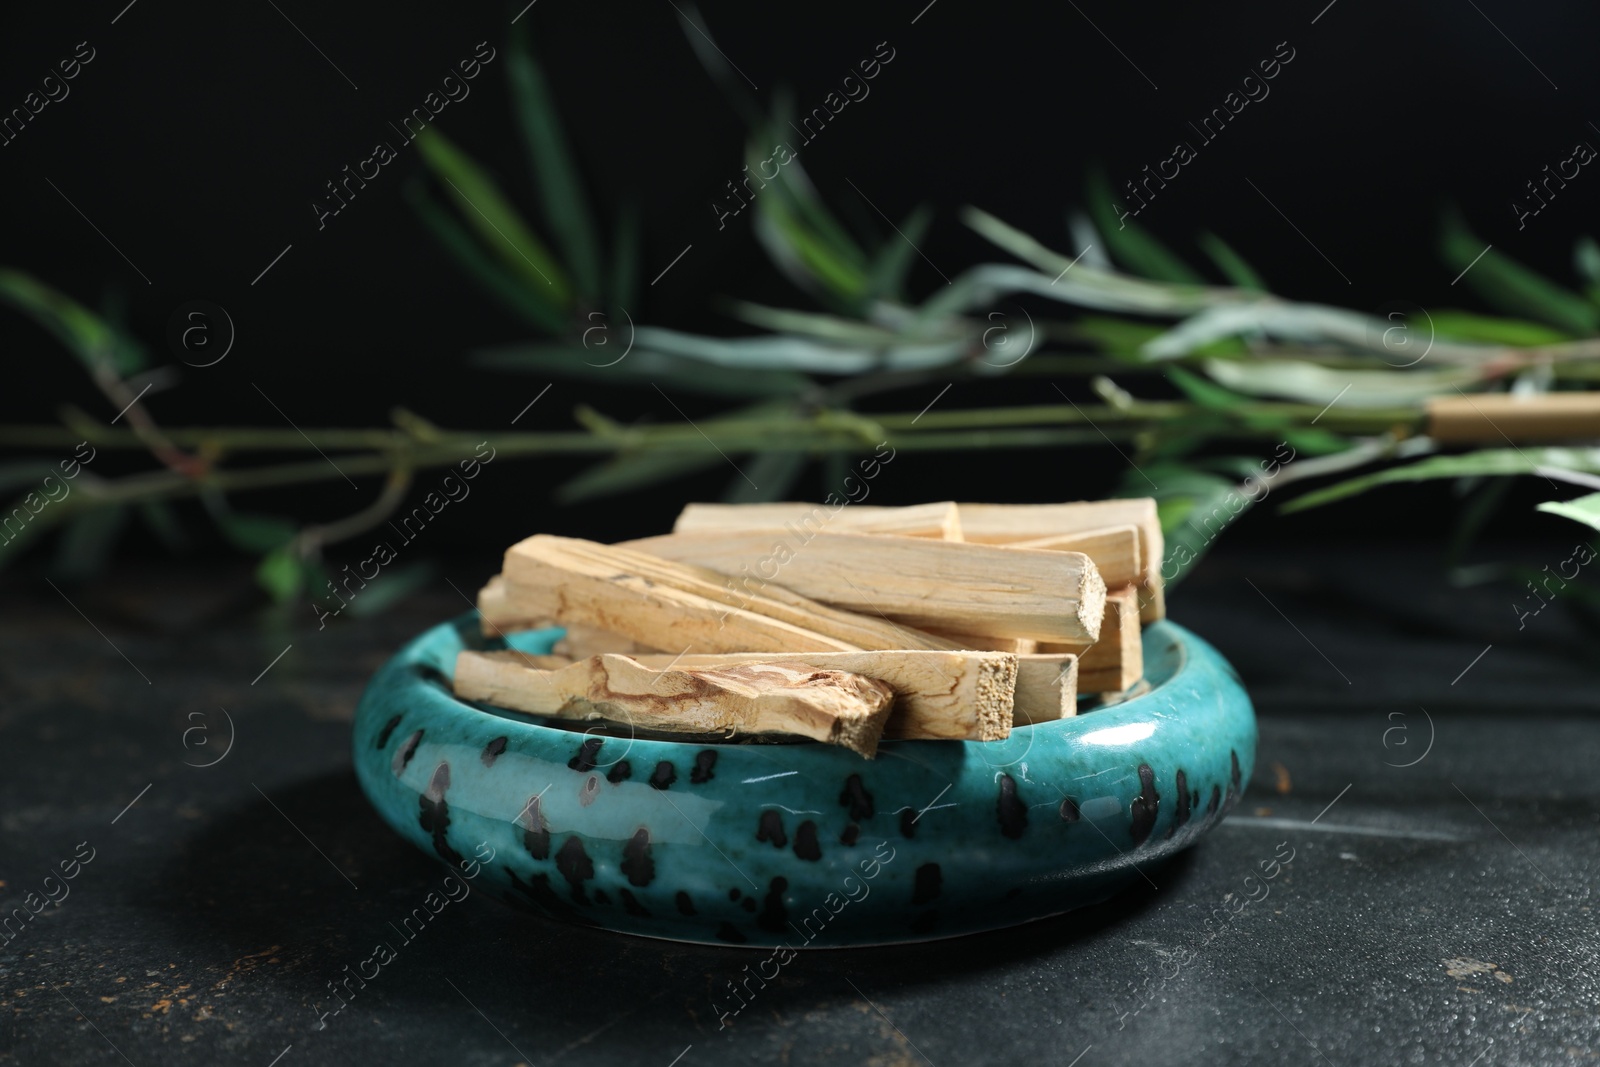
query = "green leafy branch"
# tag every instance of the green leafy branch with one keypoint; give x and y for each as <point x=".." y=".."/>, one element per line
<point x="1339" y="389"/>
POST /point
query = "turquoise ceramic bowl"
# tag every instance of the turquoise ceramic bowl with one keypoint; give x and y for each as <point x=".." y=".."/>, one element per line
<point x="804" y="844"/>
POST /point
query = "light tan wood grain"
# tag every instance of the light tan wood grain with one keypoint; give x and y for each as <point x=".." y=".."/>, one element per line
<point x="943" y="585"/>
<point x="1047" y="688"/>
<point x="664" y="604"/>
<point x="1114" y="549"/>
<point x="1003" y="523"/>
<point x="1017" y="646"/>
<point x="1116" y="660"/>
<point x="939" y="521"/>
<point x="833" y="706"/>
<point x="939" y="695"/>
<point x="500" y="617"/>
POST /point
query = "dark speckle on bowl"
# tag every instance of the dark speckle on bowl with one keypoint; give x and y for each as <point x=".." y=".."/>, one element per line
<point x="664" y="775"/>
<point x="650" y="854"/>
<point x="769" y="827"/>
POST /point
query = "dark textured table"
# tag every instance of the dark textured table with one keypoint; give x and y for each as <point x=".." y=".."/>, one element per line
<point x="1430" y="766"/>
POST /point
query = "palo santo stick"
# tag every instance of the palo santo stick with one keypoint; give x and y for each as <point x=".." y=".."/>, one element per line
<point x="1017" y="646"/>
<point x="938" y="521"/>
<point x="1007" y="523"/>
<point x="1114" y="549"/>
<point x="547" y="663"/>
<point x="1116" y="660"/>
<point x="1047" y="689"/>
<point x="664" y="604"/>
<point x="941" y="585"/>
<point x="833" y="706"/>
<point x="1493" y="418"/>
<point x="939" y="695"/>
<point x="501" y="616"/>
<point x="581" y="642"/>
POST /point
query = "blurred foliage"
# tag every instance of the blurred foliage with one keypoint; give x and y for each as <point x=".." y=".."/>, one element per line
<point x="1585" y="509"/>
<point x="1247" y="378"/>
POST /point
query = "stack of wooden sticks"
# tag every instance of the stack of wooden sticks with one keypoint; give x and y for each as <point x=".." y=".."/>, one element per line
<point x="840" y="622"/>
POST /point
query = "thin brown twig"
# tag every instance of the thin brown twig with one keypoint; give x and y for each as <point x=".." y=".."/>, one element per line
<point x="310" y="541"/>
<point x="141" y="422"/>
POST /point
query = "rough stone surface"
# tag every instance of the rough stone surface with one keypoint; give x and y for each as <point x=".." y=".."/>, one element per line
<point x="1432" y="913"/>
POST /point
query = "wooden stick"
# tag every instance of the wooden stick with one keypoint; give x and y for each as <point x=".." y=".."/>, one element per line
<point x="1495" y="418"/>
<point x="581" y="642"/>
<point x="836" y="707"/>
<point x="1005" y="523"/>
<point x="941" y="696"/>
<point x="943" y="585"/>
<point x="1047" y="688"/>
<point x="939" y="521"/>
<point x="500" y="616"/>
<point x="1017" y="646"/>
<point x="663" y="604"/>
<point x="1114" y="549"/>
<point x="1116" y="660"/>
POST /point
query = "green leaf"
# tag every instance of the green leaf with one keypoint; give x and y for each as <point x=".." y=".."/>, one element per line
<point x="566" y="210"/>
<point x="1511" y="287"/>
<point x="634" y="470"/>
<point x="487" y="210"/>
<point x="87" y="540"/>
<point x="640" y="368"/>
<point x="1214" y="397"/>
<point x="255" y="533"/>
<point x="1480" y="507"/>
<point x="282" y="573"/>
<point x="1024" y="246"/>
<point x="795" y="189"/>
<point x="1131" y="244"/>
<point x="1204" y="393"/>
<point x="1315" y="441"/>
<point x="1584" y="509"/>
<point x="1231" y="264"/>
<point x="1237" y="467"/>
<point x="1313" y="384"/>
<point x="1194" y="506"/>
<point x="813" y="324"/>
<point x="1171" y="511"/>
<point x="84" y="333"/>
<point x="716" y="64"/>
<point x="1586" y="258"/>
<point x="775" y="351"/>
<point x="887" y="275"/>
<point x="1117" y="337"/>
<point x="631" y="470"/>
<point x="822" y="263"/>
<point x="765" y="478"/>
<point x="128" y="356"/>
<point x="529" y="301"/>
<point x="1496" y="461"/>
<point x="625" y="261"/>
<point x="390" y="588"/>
<point x="1519" y="333"/>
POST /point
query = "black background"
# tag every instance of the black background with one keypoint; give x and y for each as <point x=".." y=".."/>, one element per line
<point x="198" y="137"/>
